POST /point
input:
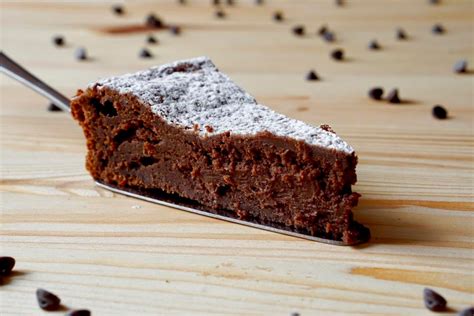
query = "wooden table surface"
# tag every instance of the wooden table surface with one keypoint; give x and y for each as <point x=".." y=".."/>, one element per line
<point x="115" y="255"/>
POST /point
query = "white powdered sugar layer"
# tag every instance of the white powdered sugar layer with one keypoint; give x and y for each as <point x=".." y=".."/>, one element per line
<point x="190" y="92"/>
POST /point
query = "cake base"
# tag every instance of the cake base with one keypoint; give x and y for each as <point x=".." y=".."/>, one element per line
<point x="160" y="197"/>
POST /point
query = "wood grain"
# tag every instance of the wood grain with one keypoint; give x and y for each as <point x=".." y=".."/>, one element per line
<point x="115" y="255"/>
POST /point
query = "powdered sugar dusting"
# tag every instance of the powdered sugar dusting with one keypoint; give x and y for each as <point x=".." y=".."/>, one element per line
<point x="190" y="92"/>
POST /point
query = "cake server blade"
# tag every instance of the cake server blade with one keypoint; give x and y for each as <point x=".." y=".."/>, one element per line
<point x="162" y="198"/>
<point x="17" y="72"/>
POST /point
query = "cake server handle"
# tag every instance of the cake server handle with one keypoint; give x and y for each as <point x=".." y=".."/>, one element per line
<point x="17" y="72"/>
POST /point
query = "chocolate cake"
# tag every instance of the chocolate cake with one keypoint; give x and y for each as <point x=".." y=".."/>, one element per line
<point x="186" y="129"/>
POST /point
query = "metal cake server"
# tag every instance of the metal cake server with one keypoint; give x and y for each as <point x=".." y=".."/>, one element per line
<point x="15" y="71"/>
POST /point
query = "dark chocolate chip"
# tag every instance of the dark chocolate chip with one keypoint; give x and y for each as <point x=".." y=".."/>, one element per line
<point x="259" y="2"/>
<point x="145" y="53"/>
<point x="401" y="34"/>
<point x="58" y="40"/>
<point x="54" y="108"/>
<point x="298" y="30"/>
<point x="216" y="2"/>
<point x="337" y="54"/>
<point x="80" y="53"/>
<point x="220" y="14"/>
<point x="467" y="312"/>
<point x="175" y="30"/>
<point x="339" y="3"/>
<point x="312" y="75"/>
<point x="230" y="2"/>
<point x="439" y="112"/>
<point x="278" y="16"/>
<point x="47" y="300"/>
<point x="79" y="312"/>
<point x="376" y="93"/>
<point x="438" y="29"/>
<point x="460" y="66"/>
<point x="151" y="39"/>
<point x="393" y="97"/>
<point x="6" y="265"/>
<point x="153" y="21"/>
<point x="434" y="1"/>
<point x="374" y="45"/>
<point x="182" y="2"/>
<point x="118" y="9"/>
<point x="323" y="29"/>
<point x="329" y="36"/>
<point x="295" y="314"/>
<point x="433" y="301"/>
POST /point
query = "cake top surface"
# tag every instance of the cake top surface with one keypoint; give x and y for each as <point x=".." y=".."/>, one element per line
<point x="194" y="91"/>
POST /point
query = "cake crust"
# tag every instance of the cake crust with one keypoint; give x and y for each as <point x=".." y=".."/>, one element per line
<point x="193" y="94"/>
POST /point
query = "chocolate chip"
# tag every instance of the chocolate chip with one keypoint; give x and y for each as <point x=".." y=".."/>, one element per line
<point x="376" y="93"/>
<point x="295" y="314"/>
<point x="6" y="265"/>
<point x="298" y="30"/>
<point x="145" y="53"/>
<point x="434" y="1"/>
<point x="153" y="21"/>
<point x="230" y="2"/>
<point x="80" y="53"/>
<point x="329" y="36"/>
<point x="278" y="16"/>
<point x="401" y="34"/>
<point x="220" y="14"/>
<point x="47" y="300"/>
<point x="393" y="97"/>
<point x="182" y="2"/>
<point x="175" y="30"/>
<point x="337" y="54"/>
<point x="467" y="312"/>
<point x="259" y="2"/>
<point x="323" y="29"/>
<point x="151" y="39"/>
<point x="312" y="75"/>
<point x="374" y="45"/>
<point x="339" y="3"/>
<point x="54" y="108"/>
<point x="58" y="40"/>
<point x="460" y="66"/>
<point x="118" y="9"/>
<point x="433" y="301"/>
<point x="216" y="2"/>
<point x="79" y="312"/>
<point x="438" y="29"/>
<point x="439" y="112"/>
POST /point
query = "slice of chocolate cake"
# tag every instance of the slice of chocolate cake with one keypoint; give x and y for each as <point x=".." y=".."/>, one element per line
<point x="187" y="129"/>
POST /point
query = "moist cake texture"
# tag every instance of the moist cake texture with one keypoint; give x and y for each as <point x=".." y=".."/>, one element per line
<point x="187" y="129"/>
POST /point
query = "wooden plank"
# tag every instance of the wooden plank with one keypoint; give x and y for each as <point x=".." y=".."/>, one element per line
<point x="115" y="255"/>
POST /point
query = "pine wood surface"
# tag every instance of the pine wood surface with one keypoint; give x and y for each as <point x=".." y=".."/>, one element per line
<point x="116" y="255"/>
